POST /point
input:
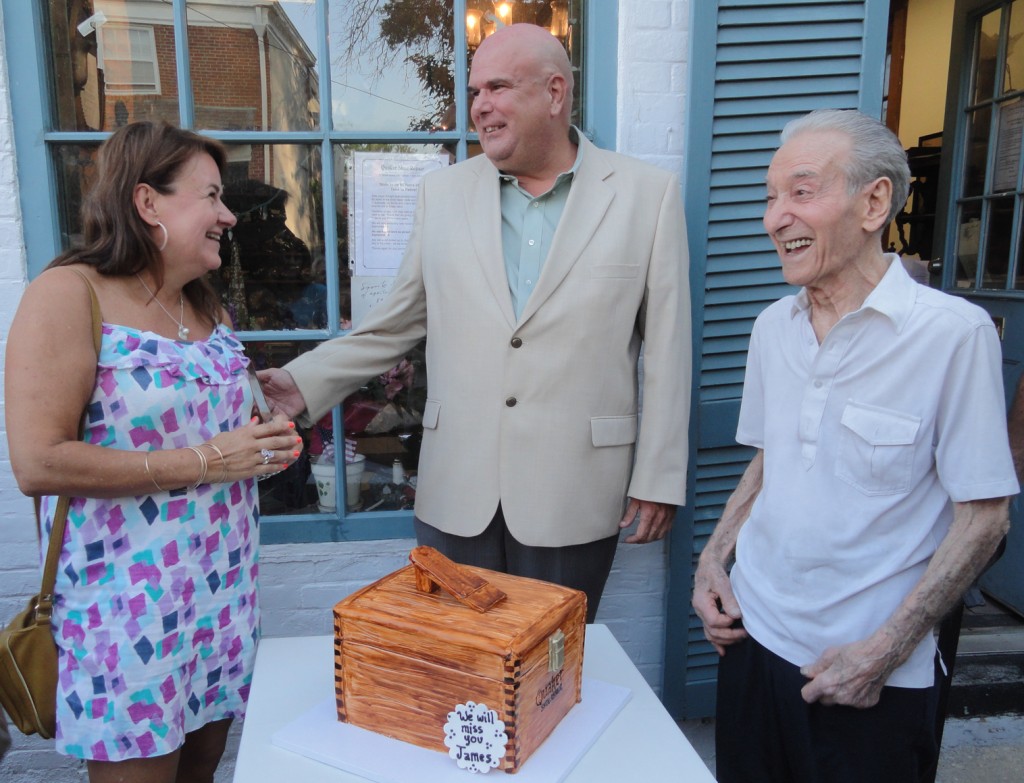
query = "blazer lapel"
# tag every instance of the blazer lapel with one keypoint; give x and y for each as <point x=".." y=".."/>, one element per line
<point x="483" y="216"/>
<point x="589" y="199"/>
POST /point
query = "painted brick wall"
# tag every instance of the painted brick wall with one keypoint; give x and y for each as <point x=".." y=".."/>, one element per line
<point x="299" y="584"/>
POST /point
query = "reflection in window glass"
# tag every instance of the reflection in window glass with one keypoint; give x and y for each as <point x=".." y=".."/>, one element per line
<point x="253" y="66"/>
<point x="1013" y="74"/>
<point x="392" y="65"/>
<point x="129" y="59"/>
<point x="977" y="151"/>
<point x="968" y="237"/>
<point x="111" y="64"/>
<point x="997" y="242"/>
<point x="272" y="271"/>
<point x="985" y="57"/>
<point x="76" y="172"/>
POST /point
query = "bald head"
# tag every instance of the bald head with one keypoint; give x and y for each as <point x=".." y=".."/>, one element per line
<point x="533" y="48"/>
<point x="521" y="86"/>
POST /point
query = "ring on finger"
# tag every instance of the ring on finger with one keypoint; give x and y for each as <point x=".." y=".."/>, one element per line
<point x="267" y="455"/>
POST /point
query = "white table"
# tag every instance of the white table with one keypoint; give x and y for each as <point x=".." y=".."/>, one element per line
<point x="292" y="674"/>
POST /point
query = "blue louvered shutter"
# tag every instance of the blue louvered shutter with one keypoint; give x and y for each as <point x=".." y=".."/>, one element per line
<point x="756" y="64"/>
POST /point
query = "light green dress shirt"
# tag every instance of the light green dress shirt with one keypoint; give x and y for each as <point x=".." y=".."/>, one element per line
<point x="528" y="224"/>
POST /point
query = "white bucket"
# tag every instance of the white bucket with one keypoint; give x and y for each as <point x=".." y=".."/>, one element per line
<point x="323" y="476"/>
<point x="353" y="478"/>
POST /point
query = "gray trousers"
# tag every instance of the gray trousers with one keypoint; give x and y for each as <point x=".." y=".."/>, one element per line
<point x="582" y="566"/>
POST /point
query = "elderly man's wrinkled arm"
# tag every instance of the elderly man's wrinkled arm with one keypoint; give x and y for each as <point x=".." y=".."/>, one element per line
<point x="854" y="674"/>
<point x="713" y="599"/>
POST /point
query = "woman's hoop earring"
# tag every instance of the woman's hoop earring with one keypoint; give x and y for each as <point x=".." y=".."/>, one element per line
<point x="166" y="237"/>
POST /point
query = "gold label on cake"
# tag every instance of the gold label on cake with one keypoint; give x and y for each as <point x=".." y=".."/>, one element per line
<point x="550" y="692"/>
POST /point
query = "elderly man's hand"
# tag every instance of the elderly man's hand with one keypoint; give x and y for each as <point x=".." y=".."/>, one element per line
<point x="851" y="675"/>
<point x="716" y="605"/>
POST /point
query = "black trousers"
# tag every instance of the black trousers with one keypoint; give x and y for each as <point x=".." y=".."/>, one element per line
<point x="582" y="566"/>
<point x="766" y="733"/>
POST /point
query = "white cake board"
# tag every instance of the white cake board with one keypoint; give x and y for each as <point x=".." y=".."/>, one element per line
<point x="319" y="735"/>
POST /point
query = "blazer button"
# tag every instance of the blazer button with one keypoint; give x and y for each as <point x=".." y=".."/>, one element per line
<point x="511" y="402"/>
<point x="517" y="342"/>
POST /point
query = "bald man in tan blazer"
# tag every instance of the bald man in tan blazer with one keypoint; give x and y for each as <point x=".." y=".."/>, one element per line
<point x="534" y="453"/>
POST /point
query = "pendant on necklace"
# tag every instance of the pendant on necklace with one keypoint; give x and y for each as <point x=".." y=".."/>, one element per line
<point x="182" y="333"/>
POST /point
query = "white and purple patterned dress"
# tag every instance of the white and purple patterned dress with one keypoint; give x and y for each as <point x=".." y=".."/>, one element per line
<point x="155" y="616"/>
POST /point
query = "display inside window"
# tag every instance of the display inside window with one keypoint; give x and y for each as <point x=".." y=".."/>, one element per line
<point x="367" y="459"/>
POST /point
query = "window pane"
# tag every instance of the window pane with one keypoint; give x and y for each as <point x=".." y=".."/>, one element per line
<point x="381" y="233"/>
<point x="997" y="243"/>
<point x="380" y="435"/>
<point x="1018" y="277"/>
<point x="253" y="66"/>
<point x="268" y="278"/>
<point x="1008" y="141"/>
<point x="985" y="56"/>
<point x="968" y="235"/>
<point x="1013" y="76"/>
<point x="979" y="122"/>
<point x="111" y="65"/>
<point x="392" y="65"/>
<point x="76" y="172"/>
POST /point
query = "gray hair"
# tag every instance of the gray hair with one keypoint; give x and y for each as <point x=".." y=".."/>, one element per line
<point x="875" y="151"/>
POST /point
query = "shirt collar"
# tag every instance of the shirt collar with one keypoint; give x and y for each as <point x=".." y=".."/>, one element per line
<point x="893" y="297"/>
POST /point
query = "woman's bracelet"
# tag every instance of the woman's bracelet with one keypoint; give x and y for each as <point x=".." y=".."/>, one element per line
<point x="223" y="462"/>
<point x="152" y="477"/>
<point x="204" y="466"/>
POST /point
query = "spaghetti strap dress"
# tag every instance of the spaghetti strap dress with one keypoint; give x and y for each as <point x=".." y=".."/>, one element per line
<point x="155" y="615"/>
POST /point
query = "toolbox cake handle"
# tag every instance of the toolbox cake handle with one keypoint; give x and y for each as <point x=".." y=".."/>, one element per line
<point x="434" y="570"/>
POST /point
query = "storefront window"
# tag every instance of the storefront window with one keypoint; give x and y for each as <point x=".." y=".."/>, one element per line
<point x="331" y="111"/>
<point x="988" y="236"/>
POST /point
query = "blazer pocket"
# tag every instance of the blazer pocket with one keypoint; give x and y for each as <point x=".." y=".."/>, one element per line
<point x="876" y="449"/>
<point x="615" y="270"/>
<point x="431" y="412"/>
<point x="613" y="430"/>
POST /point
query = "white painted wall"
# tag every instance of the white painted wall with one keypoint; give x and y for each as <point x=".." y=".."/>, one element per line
<point x="300" y="583"/>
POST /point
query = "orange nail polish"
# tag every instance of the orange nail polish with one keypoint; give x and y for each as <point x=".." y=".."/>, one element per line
<point x="298" y="439"/>
<point x="291" y="424"/>
<point x="295" y="453"/>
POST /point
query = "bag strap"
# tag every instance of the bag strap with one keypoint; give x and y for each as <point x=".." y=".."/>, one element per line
<point x="60" y="516"/>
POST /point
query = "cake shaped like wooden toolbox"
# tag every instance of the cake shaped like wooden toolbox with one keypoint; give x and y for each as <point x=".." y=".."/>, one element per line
<point x="413" y="645"/>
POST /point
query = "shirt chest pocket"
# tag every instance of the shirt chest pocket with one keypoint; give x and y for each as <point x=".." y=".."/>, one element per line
<point x="876" y="449"/>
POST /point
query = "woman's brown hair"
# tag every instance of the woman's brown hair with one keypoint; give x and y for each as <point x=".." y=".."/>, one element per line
<point x="117" y="241"/>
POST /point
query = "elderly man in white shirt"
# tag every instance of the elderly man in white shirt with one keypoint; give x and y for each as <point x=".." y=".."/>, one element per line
<point x="878" y="490"/>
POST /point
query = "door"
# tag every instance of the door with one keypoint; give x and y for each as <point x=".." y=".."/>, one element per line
<point x="982" y="188"/>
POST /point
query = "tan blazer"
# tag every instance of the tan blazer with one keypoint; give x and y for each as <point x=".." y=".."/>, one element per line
<point x="539" y="414"/>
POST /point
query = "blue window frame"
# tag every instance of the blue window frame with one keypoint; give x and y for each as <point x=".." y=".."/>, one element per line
<point x="247" y="74"/>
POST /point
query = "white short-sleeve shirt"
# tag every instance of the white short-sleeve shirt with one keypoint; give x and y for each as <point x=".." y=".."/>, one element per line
<point x="867" y="439"/>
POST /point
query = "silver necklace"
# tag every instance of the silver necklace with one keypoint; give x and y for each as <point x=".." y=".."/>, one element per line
<point x="182" y="329"/>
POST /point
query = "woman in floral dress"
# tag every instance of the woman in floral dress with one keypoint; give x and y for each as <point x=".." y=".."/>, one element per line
<point x="155" y="616"/>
